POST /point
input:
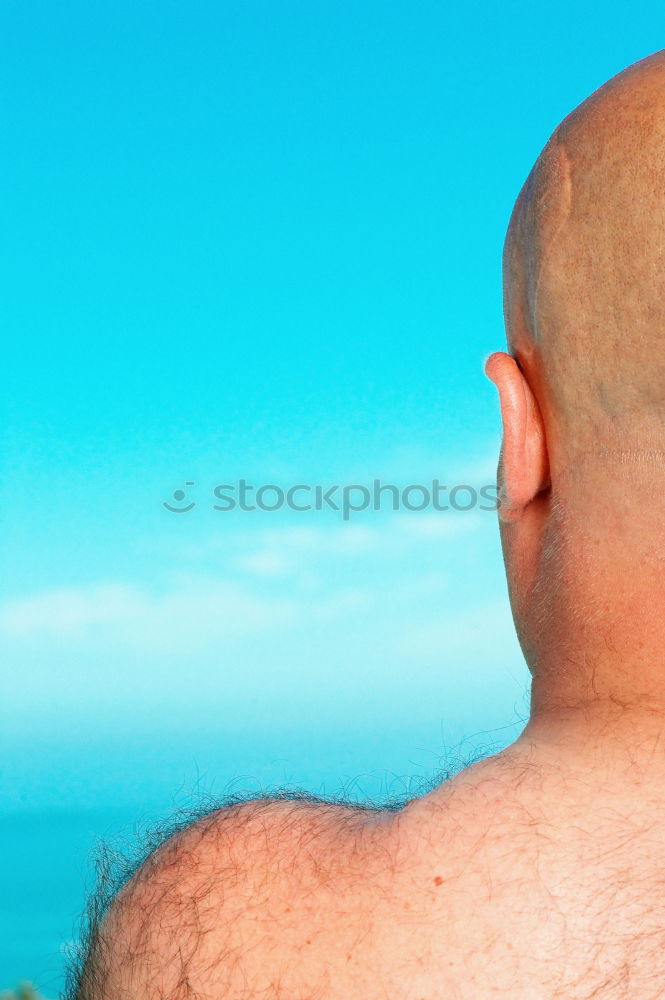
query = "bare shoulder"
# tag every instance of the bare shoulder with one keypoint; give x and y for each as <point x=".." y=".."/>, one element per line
<point x="231" y="904"/>
<point x="246" y="838"/>
<point x="498" y="883"/>
<point x="278" y="897"/>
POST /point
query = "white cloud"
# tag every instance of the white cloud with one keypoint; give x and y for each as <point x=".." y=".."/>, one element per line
<point x="291" y="548"/>
<point x="71" y="609"/>
<point x="265" y="562"/>
<point x="374" y="577"/>
<point x="188" y="615"/>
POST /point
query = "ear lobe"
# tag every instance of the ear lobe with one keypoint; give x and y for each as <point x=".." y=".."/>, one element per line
<point x="523" y="468"/>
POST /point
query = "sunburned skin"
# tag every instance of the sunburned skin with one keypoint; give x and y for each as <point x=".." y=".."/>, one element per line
<point x="539" y="873"/>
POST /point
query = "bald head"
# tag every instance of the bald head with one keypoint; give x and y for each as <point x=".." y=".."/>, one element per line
<point x="584" y="272"/>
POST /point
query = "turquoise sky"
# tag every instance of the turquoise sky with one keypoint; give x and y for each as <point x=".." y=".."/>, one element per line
<point x="263" y="240"/>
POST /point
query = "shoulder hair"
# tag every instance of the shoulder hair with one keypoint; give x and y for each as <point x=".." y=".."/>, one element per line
<point x="231" y="850"/>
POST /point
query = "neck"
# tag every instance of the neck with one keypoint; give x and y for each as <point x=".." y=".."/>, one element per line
<point x="599" y="671"/>
<point x="600" y="728"/>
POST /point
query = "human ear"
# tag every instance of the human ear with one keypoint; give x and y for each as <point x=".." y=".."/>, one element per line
<point x="523" y="466"/>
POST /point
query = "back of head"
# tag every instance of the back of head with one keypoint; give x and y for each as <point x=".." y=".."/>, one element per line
<point x="583" y="394"/>
<point x="584" y="273"/>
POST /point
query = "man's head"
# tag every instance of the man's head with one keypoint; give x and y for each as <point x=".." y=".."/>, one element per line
<point x="583" y="389"/>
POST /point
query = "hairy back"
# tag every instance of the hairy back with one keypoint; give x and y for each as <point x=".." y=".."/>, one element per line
<point x="510" y="882"/>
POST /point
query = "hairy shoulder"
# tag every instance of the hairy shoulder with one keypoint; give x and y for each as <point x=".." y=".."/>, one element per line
<point x="250" y="847"/>
<point x="228" y="900"/>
